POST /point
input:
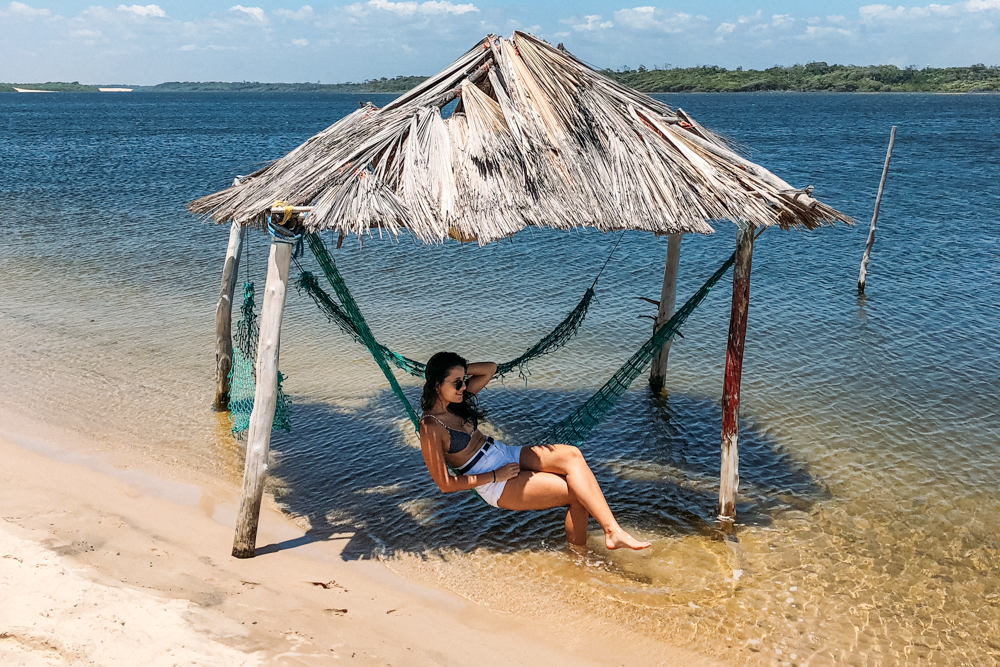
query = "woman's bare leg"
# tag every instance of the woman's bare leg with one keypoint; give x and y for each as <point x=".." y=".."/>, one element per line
<point x="568" y="462"/>
<point x="532" y="490"/>
<point x="576" y="523"/>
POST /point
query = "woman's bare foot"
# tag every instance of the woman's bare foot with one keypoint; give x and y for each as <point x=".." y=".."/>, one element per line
<point x="618" y="538"/>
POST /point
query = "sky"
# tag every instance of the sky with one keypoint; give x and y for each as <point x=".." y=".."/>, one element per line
<point x="332" y="42"/>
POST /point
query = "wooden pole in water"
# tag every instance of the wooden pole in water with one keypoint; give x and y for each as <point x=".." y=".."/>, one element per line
<point x="729" y="477"/>
<point x="668" y="298"/>
<point x="878" y="202"/>
<point x="224" y="317"/>
<point x="264" y="400"/>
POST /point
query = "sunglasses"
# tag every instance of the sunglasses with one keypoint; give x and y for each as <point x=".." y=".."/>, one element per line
<point x="459" y="383"/>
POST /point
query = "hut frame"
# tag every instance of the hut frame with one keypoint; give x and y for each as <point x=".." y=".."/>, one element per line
<point x="537" y="139"/>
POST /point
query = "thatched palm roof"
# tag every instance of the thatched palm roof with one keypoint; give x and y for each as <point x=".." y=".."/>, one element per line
<point x="537" y="138"/>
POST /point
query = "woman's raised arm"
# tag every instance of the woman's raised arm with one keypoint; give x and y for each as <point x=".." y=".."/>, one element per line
<point x="480" y="374"/>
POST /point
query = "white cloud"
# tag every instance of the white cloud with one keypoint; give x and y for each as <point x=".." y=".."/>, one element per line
<point x="593" y="22"/>
<point x="300" y="42"/>
<point x="655" y="19"/>
<point x="817" y="32"/>
<point x="781" y="19"/>
<point x="303" y="14"/>
<point x="88" y="37"/>
<point x="876" y="13"/>
<point x="430" y="7"/>
<point x="981" y="5"/>
<point x="725" y="28"/>
<point x="188" y="47"/>
<point x="637" y="17"/>
<point x="255" y="12"/>
<point x="23" y="11"/>
<point x="143" y="11"/>
<point x="752" y="17"/>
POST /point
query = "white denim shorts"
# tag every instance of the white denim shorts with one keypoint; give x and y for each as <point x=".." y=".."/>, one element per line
<point x="494" y="455"/>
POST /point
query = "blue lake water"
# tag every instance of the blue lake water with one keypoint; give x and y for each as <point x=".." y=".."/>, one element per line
<point x="869" y="525"/>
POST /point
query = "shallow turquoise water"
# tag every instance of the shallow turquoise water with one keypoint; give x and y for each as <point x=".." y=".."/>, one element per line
<point x="871" y="429"/>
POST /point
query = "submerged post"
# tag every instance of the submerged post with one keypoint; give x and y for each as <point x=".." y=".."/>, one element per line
<point x="729" y="477"/>
<point x="668" y="297"/>
<point x="265" y="398"/>
<point x="878" y="202"/>
<point x="224" y="316"/>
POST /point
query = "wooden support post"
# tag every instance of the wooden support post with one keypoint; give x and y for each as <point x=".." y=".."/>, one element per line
<point x="224" y="317"/>
<point x="878" y="202"/>
<point x="264" y="400"/>
<point x="729" y="478"/>
<point x="668" y="297"/>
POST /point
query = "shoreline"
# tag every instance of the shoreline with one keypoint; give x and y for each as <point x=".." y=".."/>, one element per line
<point x="109" y="563"/>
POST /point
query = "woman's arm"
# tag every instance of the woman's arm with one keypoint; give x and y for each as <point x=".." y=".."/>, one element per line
<point x="480" y="374"/>
<point x="430" y="447"/>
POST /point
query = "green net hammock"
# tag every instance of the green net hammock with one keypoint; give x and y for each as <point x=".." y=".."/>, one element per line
<point x="243" y="376"/>
<point x="359" y="327"/>
<point x="575" y="428"/>
<point x="351" y="326"/>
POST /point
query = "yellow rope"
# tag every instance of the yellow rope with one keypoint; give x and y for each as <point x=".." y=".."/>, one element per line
<point x="288" y="209"/>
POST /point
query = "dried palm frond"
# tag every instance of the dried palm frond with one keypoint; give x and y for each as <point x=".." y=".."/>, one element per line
<point x="538" y="138"/>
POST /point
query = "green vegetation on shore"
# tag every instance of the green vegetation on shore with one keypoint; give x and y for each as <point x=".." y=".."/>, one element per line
<point x="396" y="84"/>
<point x="812" y="77"/>
<point x="58" y="86"/>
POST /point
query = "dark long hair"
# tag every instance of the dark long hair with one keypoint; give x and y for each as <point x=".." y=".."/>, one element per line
<point x="435" y="373"/>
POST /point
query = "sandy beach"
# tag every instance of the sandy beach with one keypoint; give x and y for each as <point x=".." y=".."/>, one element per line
<point x="103" y="563"/>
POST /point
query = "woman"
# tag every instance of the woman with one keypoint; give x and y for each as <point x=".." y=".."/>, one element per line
<point x="514" y="478"/>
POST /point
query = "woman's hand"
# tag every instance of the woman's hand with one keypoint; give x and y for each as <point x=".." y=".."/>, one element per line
<point x="508" y="471"/>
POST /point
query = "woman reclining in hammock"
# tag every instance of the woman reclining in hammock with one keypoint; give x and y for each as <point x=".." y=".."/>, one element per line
<point x="514" y="478"/>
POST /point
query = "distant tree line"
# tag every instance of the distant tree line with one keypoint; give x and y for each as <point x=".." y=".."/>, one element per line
<point x="59" y="86"/>
<point x="811" y="77"/>
<point x="397" y="84"/>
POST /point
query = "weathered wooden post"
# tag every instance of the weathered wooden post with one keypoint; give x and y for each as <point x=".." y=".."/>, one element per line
<point x="729" y="477"/>
<point x="668" y="297"/>
<point x="265" y="398"/>
<point x="224" y="316"/>
<point x="878" y="202"/>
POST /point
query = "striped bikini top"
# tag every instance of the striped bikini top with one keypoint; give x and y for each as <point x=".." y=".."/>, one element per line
<point x="458" y="439"/>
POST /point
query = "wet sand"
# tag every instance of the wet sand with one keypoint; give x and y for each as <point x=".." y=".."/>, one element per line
<point x="104" y="563"/>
